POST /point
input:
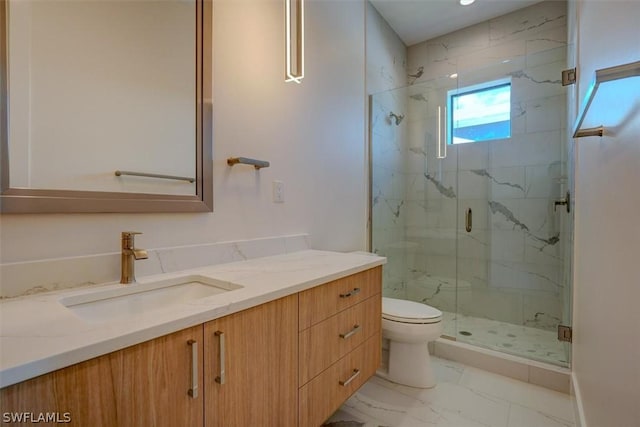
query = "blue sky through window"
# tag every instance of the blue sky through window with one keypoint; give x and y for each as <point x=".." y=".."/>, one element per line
<point x="481" y="114"/>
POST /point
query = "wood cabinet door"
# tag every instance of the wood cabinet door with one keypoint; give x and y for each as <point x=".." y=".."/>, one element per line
<point x="251" y="367"/>
<point x="143" y="385"/>
<point x="324" y="394"/>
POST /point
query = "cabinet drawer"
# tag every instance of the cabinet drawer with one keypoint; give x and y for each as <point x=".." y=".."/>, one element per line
<point x="323" y="395"/>
<point x="324" y="343"/>
<point x="321" y="302"/>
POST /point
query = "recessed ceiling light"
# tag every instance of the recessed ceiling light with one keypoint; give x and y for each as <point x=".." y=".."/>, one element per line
<point x="466" y="2"/>
<point x="453" y="76"/>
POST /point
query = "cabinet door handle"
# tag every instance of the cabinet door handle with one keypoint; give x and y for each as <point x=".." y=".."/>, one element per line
<point x="468" y="221"/>
<point x="193" y="391"/>
<point x="220" y="379"/>
<point x="356" y="372"/>
<point x="355" y="291"/>
<point x="355" y="329"/>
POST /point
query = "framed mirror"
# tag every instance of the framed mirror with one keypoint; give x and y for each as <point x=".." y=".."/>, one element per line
<point x="106" y="106"/>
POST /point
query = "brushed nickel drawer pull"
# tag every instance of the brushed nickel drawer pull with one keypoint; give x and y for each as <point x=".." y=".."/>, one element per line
<point x="355" y="329"/>
<point x="220" y="379"/>
<point x="193" y="391"/>
<point x="356" y="372"/>
<point x="355" y="291"/>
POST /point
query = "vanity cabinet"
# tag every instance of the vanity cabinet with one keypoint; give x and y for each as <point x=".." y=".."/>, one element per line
<point x="251" y="370"/>
<point x="288" y="362"/>
<point x="340" y="342"/>
<point x="143" y="385"/>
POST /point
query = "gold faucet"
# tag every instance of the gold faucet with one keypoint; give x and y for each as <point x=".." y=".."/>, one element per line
<point x="129" y="255"/>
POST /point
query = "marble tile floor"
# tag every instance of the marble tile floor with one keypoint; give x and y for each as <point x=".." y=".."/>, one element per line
<point x="518" y="340"/>
<point x="464" y="397"/>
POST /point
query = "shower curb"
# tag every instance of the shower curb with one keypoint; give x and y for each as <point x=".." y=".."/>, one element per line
<point x="530" y="371"/>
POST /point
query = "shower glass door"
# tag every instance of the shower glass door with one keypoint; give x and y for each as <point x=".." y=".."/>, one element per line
<point x="431" y="195"/>
<point x="508" y="122"/>
<point x="465" y="173"/>
<point x="413" y="195"/>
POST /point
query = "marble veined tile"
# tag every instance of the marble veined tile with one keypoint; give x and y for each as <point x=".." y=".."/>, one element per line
<point x="537" y="81"/>
<point x="520" y="394"/>
<point x="185" y="257"/>
<point x="388" y="183"/>
<point x="545" y="114"/>
<point x="461" y="399"/>
<point x="297" y="243"/>
<point x="26" y="278"/>
<point x="450" y="397"/>
<point x="521" y="416"/>
<point x="398" y="409"/>
<point x="347" y="417"/>
<point x="528" y="23"/>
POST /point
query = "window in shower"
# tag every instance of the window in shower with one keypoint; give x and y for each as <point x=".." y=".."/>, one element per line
<point x="480" y="112"/>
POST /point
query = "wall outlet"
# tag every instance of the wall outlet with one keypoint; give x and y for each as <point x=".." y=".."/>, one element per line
<point x="278" y="192"/>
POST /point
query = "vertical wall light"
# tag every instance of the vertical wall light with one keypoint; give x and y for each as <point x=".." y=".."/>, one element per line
<point x="294" y="43"/>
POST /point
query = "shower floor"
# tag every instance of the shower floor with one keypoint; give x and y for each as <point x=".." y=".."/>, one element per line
<point x="517" y="340"/>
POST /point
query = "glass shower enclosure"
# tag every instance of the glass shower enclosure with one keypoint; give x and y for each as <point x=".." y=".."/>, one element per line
<point x="469" y="174"/>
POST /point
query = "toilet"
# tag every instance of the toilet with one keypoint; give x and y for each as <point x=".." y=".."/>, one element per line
<point x="409" y="326"/>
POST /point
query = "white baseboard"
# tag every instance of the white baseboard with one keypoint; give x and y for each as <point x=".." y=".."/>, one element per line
<point x="577" y="402"/>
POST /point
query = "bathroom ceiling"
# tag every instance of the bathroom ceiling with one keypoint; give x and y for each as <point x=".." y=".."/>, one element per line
<point x="418" y="20"/>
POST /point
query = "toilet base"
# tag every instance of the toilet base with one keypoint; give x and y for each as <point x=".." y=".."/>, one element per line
<point x="410" y="364"/>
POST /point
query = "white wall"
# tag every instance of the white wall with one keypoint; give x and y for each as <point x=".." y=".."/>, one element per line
<point x="313" y="134"/>
<point x="606" y="347"/>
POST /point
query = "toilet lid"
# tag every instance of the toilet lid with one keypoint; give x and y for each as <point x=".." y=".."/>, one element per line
<point x="409" y="311"/>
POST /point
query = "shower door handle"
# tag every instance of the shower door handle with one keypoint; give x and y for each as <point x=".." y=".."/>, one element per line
<point x="468" y="220"/>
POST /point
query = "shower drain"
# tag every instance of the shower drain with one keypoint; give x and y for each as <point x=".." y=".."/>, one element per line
<point x="465" y="333"/>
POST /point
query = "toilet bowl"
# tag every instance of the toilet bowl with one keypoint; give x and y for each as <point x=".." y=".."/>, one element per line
<point x="409" y="326"/>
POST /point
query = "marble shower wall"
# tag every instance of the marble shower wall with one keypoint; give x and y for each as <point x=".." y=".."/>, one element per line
<point x="386" y="69"/>
<point x="389" y="214"/>
<point x="534" y="29"/>
<point x="510" y="267"/>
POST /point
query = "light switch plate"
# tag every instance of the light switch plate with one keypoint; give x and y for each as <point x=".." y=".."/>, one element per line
<point x="278" y="192"/>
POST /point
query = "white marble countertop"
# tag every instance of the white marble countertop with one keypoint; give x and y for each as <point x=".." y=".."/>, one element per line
<point x="38" y="334"/>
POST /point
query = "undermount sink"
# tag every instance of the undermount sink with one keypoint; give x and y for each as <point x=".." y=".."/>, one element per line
<point x="133" y="300"/>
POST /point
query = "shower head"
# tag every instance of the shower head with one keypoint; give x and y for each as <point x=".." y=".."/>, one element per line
<point x="397" y="117"/>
